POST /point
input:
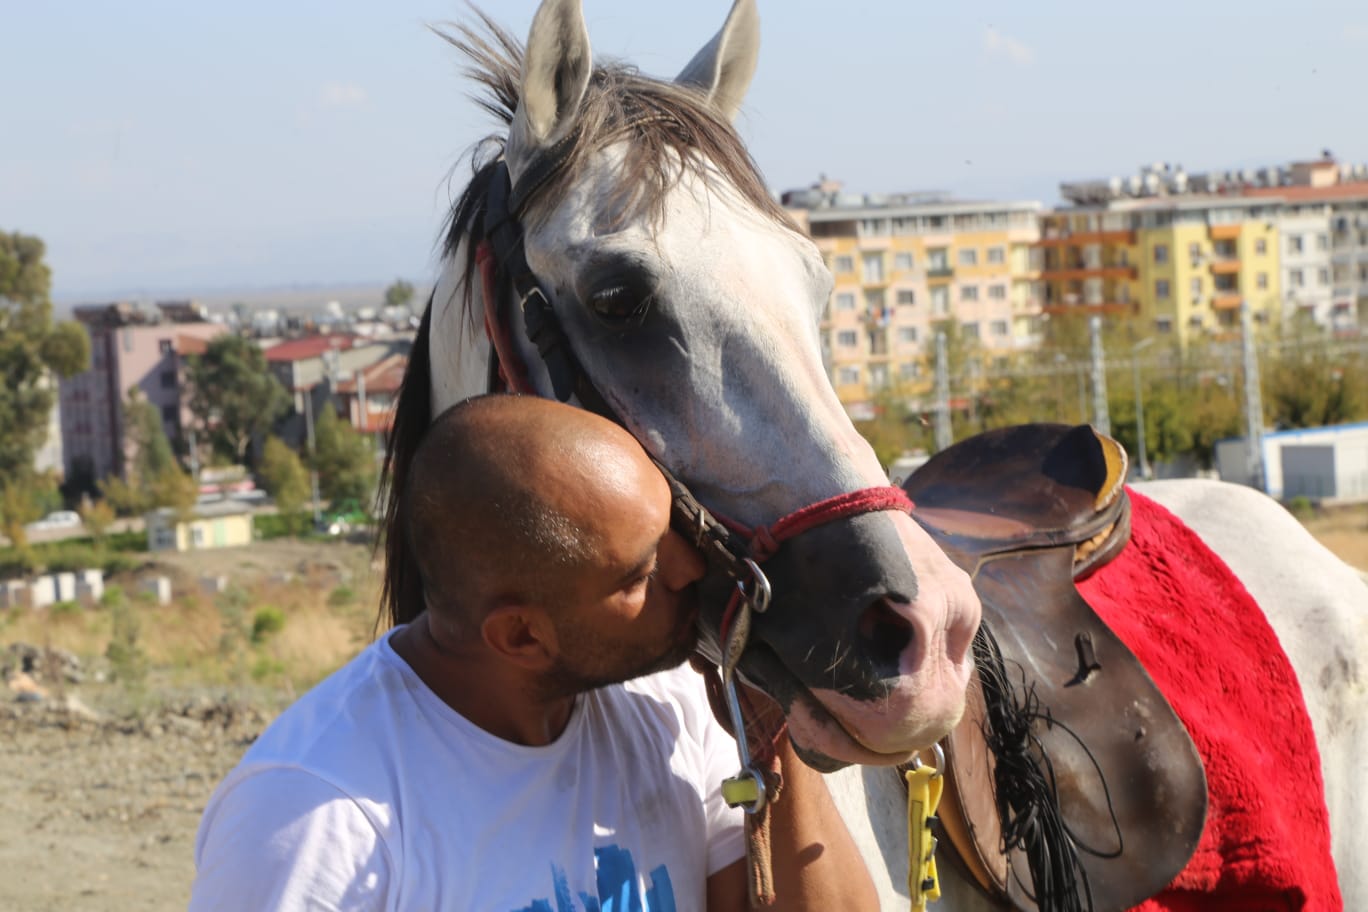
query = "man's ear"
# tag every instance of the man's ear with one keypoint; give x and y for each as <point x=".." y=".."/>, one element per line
<point x="521" y="634"/>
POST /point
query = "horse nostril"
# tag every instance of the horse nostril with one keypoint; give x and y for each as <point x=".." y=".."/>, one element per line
<point x="885" y="633"/>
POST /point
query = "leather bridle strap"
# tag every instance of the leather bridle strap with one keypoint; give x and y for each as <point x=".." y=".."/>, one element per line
<point x="762" y="542"/>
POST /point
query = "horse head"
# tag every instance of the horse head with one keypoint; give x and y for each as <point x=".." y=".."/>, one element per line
<point x="691" y="303"/>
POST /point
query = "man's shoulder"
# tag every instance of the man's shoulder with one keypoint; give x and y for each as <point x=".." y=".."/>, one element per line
<point x="336" y="719"/>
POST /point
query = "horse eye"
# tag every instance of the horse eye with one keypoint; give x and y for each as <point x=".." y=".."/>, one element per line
<point x="620" y="304"/>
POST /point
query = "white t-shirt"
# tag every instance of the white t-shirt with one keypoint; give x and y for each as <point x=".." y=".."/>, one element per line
<point x="371" y="793"/>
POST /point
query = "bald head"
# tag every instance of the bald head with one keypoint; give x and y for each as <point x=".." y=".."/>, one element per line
<point x="507" y="497"/>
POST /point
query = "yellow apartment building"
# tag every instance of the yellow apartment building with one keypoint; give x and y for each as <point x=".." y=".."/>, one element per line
<point x="904" y="263"/>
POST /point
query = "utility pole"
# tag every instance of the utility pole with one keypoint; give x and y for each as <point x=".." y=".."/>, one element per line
<point x="1141" y="456"/>
<point x="313" y="473"/>
<point x="1101" y="417"/>
<point x="944" y="436"/>
<point x="1254" y="454"/>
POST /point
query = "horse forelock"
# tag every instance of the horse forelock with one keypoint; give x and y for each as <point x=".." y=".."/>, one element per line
<point x="668" y="131"/>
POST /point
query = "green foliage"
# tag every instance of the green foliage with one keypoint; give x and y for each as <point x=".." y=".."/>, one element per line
<point x="112" y="597"/>
<point x="32" y="349"/>
<point x="125" y="653"/>
<point x="155" y="478"/>
<point x="266" y="668"/>
<point x="266" y="526"/>
<point x="234" y="396"/>
<point x="18" y="507"/>
<point x="342" y="595"/>
<point x="1303" y="389"/>
<point x="232" y="608"/>
<point x="60" y="610"/>
<point x="267" y="621"/>
<point x="1301" y="507"/>
<point x="98" y="517"/>
<point x="399" y="294"/>
<point x="285" y="478"/>
<point x="344" y="460"/>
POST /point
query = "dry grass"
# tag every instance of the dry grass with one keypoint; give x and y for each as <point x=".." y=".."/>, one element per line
<point x="203" y="639"/>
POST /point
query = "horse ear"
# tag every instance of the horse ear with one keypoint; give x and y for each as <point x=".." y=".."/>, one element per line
<point x="556" y="71"/>
<point x="723" y="69"/>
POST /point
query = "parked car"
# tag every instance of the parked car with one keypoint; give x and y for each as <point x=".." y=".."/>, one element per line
<point x="62" y="519"/>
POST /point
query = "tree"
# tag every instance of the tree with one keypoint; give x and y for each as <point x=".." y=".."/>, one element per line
<point x="32" y="348"/>
<point x="18" y="508"/>
<point x="98" y="517"/>
<point x="155" y="477"/>
<point x="344" y="460"/>
<point x="285" y="478"/>
<point x="399" y="294"/>
<point x="234" y="396"/>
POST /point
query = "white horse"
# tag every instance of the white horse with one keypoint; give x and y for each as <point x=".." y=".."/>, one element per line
<point x="692" y="306"/>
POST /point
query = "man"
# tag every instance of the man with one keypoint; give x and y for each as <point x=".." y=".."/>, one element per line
<point x="487" y="756"/>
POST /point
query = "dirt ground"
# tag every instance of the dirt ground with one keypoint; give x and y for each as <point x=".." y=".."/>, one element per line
<point x="102" y="793"/>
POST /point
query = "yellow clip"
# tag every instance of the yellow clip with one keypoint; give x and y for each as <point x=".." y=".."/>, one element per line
<point x="924" y="787"/>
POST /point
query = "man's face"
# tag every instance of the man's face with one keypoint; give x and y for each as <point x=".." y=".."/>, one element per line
<point x="632" y="611"/>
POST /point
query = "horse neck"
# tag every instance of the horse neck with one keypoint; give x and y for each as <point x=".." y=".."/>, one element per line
<point x="458" y="348"/>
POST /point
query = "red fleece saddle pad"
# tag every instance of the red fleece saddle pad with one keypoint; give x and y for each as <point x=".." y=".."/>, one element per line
<point x="1266" y="844"/>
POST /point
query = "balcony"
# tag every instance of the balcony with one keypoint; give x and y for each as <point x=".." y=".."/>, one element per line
<point x="941" y="273"/>
<point x="1225" y="266"/>
<point x="1079" y="273"/>
<point x="1071" y="238"/>
<point x="1226" y="300"/>
<point x="1225" y="232"/>
<point x="1101" y="307"/>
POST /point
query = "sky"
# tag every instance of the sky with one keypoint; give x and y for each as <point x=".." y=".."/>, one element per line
<point x="169" y="147"/>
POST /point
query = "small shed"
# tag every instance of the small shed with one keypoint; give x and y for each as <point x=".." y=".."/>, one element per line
<point x="220" y="524"/>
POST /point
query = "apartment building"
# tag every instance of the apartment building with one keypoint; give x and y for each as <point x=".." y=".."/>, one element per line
<point x="1181" y="253"/>
<point x="904" y="263"/>
<point x="130" y="346"/>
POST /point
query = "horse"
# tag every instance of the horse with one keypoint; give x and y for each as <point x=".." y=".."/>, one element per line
<point x="668" y="289"/>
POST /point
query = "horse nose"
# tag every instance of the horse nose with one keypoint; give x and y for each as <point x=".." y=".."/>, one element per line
<point x="884" y="633"/>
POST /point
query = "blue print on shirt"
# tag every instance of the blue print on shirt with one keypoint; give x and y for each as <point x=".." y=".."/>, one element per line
<point x="617" y="888"/>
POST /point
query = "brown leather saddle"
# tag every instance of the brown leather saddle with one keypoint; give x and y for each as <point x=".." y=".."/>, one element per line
<point x="1026" y="511"/>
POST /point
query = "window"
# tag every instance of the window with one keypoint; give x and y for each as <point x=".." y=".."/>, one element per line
<point x="1161" y="253"/>
<point x="873" y="268"/>
<point x="1296" y="279"/>
<point x="878" y="376"/>
<point x="997" y="255"/>
<point x="170" y="414"/>
<point x="998" y="327"/>
<point x="970" y="330"/>
<point x="1196" y="286"/>
<point x="1161" y="287"/>
<point x="845" y="301"/>
<point x="937" y="260"/>
<point x="902" y="262"/>
<point x="1163" y="324"/>
<point x="847" y="338"/>
<point x="1195" y="321"/>
<point x="873" y="227"/>
<point x="997" y="292"/>
<point x="163" y="537"/>
<point x="1195" y="250"/>
<point x="909" y="370"/>
<point x="1322" y="242"/>
<point x="197" y="536"/>
<point x="1294" y="243"/>
<point x="848" y="376"/>
<point x="1323" y="276"/>
<point x="968" y="257"/>
<point x="940" y="300"/>
<point x="906" y="298"/>
<point x="1261" y="247"/>
<point x="168" y="379"/>
<point x="845" y="264"/>
<point x="969" y="293"/>
<point x="907" y="335"/>
<point x="1261" y="281"/>
<point x="164" y="346"/>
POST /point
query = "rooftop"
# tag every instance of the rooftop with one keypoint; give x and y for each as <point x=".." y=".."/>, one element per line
<point x="309" y="347"/>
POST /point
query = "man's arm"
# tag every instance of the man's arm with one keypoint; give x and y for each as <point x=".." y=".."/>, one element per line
<point x="815" y="861"/>
<point x="284" y="839"/>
